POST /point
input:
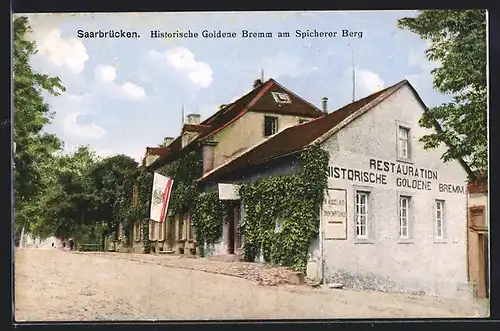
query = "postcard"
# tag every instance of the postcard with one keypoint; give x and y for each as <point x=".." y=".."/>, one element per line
<point x="250" y="165"/>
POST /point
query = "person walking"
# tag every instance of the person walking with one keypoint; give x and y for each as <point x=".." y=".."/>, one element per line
<point x="71" y="244"/>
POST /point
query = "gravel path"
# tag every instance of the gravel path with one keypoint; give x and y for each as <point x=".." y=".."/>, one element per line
<point x="54" y="285"/>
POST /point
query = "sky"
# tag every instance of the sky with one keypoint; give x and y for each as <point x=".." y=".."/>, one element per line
<point x="123" y="95"/>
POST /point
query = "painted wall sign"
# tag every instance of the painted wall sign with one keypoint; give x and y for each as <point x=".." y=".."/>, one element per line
<point x="407" y="176"/>
<point x="334" y="214"/>
<point x="229" y="192"/>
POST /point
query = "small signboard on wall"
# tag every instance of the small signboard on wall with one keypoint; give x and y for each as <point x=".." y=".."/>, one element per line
<point x="229" y="191"/>
<point x="334" y="214"/>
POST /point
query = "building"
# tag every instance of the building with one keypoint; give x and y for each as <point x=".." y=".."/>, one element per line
<point x="394" y="215"/>
<point x="477" y="235"/>
<point x="258" y="115"/>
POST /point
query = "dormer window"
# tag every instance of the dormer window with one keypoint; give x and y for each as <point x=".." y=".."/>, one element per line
<point x="281" y="97"/>
<point x="270" y="125"/>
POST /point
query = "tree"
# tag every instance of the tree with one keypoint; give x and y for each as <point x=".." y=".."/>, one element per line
<point x="35" y="149"/>
<point x="458" y="42"/>
<point x="111" y="184"/>
<point x="70" y="204"/>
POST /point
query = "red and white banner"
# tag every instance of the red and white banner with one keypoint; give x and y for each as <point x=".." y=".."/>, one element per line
<point x="160" y="196"/>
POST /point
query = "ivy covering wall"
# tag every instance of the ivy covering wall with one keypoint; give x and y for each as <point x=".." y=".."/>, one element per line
<point x="294" y="202"/>
<point x="208" y="218"/>
<point x="184" y="172"/>
<point x="207" y="211"/>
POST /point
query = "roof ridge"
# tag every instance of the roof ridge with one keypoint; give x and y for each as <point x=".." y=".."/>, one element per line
<point x="370" y="104"/>
<point x="296" y="95"/>
<point x="231" y="104"/>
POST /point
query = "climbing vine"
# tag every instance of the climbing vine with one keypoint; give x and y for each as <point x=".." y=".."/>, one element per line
<point x="139" y="205"/>
<point x="184" y="172"/>
<point x="207" y="216"/>
<point x="282" y="212"/>
<point x="145" y="236"/>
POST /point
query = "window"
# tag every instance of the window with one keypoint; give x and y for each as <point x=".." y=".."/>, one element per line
<point x="270" y="125"/>
<point x="404" y="217"/>
<point x="439" y="219"/>
<point x="361" y="214"/>
<point x="137" y="231"/>
<point x="161" y="231"/>
<point x="183" y="221"/>
<point x="152" y="226"/>
<point x="190" y="227"/>
<point x="403" y="142"/>
<point x="278" y="225"/>
<point x="281" y="97"/>
<point x="302" y="120"/>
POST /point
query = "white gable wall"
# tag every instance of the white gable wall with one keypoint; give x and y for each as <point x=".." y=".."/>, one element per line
<point x="420" y="264"/>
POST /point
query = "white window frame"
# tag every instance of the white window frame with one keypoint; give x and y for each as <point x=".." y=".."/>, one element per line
<point x="275" y="120"/>
<point x="358" y="214"/>
<point x="152" y="226"/>
<point x="406" y="140"/>
<point x="278" y="225"/>
<point x="439" y="219"/>
<point x="183" y="224"/>
<point x="281" y="97"/>
<point x="402" y="198"/>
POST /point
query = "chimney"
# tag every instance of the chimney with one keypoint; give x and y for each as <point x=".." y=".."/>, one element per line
<point x="167" y="141"/>
<point x="193" y="119"/>
<point x="324" y="103"/>
<point x="257" y="83"/>
<point x="208" y="156"/>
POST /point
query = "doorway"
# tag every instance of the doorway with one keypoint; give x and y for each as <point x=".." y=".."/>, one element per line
<point x="233" y="219"/>
<point x="231" y="227"/>
<point x="170" y="233"/>
<point x="483" y="279"/>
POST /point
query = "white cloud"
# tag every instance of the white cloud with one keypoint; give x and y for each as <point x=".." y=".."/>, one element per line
<point x="66" y="52"/>
<point x="370" y="80"/>
<point x="419" y="59"/>
<point x="132" y="91"/>
<point x="78" y="130"/>
<point x="106" y="74"/>
<point x="182" y="60"/>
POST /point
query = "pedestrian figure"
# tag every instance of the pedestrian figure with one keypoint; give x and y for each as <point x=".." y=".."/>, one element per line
<point x="64" y="245"/>
<point x="71" y="243"/>
<point x="52" y="244"/>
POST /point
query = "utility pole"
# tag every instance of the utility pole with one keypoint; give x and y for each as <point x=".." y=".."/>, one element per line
<point x="353" y="79"/>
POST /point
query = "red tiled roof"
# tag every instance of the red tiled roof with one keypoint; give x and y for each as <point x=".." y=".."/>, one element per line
<point x="259" y="99"/>
<point x="196" y="128"/>
<point x="162" y="151"/>
<point x="480" y="184"/>
<point x="298" y="137"/>
<point x="215" y="122"/>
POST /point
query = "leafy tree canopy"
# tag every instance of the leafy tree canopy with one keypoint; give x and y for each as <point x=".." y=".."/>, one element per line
<point x="34" y="159"/>
<point x="458" y="43"/>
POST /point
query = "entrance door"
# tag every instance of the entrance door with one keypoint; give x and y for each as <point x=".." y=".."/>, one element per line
<point x="231" y="228"/>
<point x="170" y="232"/>
<point x="483" y="282"/>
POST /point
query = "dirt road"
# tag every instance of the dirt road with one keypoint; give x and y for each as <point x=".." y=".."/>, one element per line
<point x="54" y="285"/>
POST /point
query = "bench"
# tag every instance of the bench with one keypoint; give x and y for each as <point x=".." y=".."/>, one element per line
<point x="89" y="247"/>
